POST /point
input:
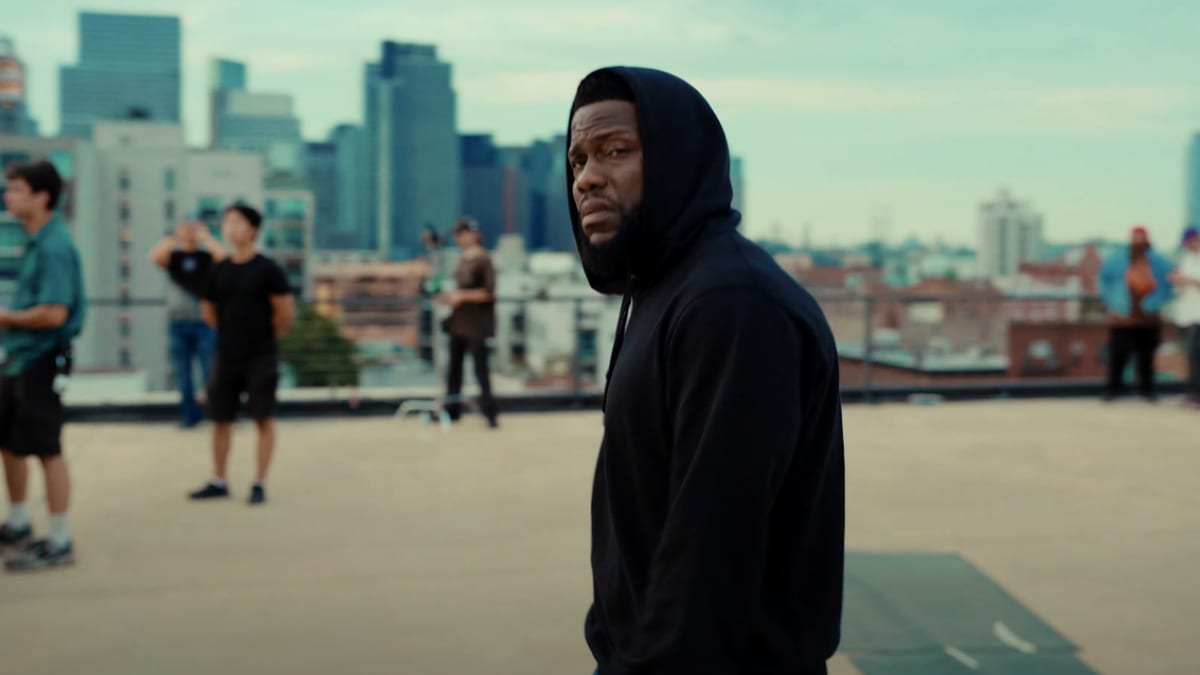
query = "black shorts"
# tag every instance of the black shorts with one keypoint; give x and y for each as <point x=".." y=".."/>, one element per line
<point x="257" y="379"/>
<point x="31" y="411"/>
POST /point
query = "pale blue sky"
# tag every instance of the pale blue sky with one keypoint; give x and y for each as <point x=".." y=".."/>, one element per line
<point x="924" y="107"/>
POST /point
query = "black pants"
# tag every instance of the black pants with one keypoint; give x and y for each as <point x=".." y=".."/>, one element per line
<point x="1139" y="341"/>
<point x="1192" y="348"/>
<point x="459" y="346"/>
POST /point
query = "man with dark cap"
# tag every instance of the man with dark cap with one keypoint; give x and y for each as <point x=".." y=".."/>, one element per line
<point x="472" y="321"/>
<point x="718" y="508"/>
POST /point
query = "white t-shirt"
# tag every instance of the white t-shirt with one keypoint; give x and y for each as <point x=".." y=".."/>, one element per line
<point x="1187" y="306"/>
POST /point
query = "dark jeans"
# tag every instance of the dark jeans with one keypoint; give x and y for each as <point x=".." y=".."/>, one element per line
<point x="1140" y="342"/>
<point x="190" y="341"/>
<point x="459" y="346"/>
<point x="1192" y="348"/>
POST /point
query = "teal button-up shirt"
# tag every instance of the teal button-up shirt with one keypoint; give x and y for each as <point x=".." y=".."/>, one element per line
<point x="49" y="275"/>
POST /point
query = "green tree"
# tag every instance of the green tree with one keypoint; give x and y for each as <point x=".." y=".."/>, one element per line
<point x="318" y="354"/>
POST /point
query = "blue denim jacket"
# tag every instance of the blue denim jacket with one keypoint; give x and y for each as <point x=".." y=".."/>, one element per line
<point x="1115" y="292"/>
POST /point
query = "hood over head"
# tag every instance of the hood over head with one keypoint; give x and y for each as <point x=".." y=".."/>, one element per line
<point x="686" y="186"/>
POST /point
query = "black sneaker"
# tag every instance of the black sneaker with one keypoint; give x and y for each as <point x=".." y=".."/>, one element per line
<point x="210" y="491"/>
<point x="258" y="495"/>
<point x="14" y="537"/>
<point x="42" y="555"/>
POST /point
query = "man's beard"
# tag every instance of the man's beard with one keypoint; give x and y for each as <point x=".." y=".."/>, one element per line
<point x="608" y="263"/>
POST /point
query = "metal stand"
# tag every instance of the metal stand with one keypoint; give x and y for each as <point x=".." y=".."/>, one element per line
<point x="434" y="408"/>
<point x="431" y="408"/>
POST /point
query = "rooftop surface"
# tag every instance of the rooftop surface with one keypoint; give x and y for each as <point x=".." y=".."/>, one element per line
<point x="386" y="551"/>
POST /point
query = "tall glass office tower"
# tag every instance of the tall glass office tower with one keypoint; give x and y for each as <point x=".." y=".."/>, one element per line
<point x="129" y="66"/>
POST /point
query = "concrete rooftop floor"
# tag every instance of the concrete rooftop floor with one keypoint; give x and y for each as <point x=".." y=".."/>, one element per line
<point x="385" y="552"/>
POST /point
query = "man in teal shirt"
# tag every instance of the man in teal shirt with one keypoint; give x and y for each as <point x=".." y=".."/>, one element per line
<point x="47" y="313"/>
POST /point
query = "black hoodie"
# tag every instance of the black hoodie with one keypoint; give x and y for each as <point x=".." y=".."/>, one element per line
<point x="718" y="503"/>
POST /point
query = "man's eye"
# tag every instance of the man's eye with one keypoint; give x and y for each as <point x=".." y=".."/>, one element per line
<point x="617" y="152"/>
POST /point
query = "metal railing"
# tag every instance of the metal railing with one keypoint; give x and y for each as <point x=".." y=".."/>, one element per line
<point x="556" y="349"/>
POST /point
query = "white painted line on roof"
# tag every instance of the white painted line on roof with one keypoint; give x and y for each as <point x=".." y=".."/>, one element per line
<point x="962" y="657"/>
<point x="1008" y="637"/>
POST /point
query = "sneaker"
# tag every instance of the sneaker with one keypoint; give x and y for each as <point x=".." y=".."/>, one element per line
<point x="258" y="495"/>
<point x="42" y="555"/>
<point x="15" y="537"/>
<point x="210" y="491"/>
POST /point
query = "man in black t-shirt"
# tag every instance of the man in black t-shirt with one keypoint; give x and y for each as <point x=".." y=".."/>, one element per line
<point x="248" y="300"/>
<point x="188" y="255"/>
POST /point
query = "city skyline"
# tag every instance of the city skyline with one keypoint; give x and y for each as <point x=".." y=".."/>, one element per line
<point x="838" y="110"/>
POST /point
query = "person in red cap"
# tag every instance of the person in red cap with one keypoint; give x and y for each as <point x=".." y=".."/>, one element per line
<point x="1135" y="284"/>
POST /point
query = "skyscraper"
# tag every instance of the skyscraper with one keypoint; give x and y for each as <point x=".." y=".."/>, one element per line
<point x="490" y="188"/>
<point x="320" y="173"/>
<point x="413" y="146"/>
<point x="129" y="66"/>
<point x="1193" y="183"/>
<point x="560" y="235"/>
<point x="244" y="120"/>
<point x="335" y="171"/>
<point x="354" y="229"/>
<point x="548" y="221"/>
<point x="1010" y="233"/>
<point x="14" y="115"/>
<point x="224" y="74"/>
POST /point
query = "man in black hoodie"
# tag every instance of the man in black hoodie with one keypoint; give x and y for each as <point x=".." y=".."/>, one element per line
<point x="718" y="503"/>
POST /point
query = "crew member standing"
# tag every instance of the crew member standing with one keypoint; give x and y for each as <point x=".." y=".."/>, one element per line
<point x="472" y="321"/>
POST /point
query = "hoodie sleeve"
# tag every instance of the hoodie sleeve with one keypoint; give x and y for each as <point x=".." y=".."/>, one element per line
<point x="1163" y="291"/>
<point x="1113" y="290"/>
<point x="734" y="395"/>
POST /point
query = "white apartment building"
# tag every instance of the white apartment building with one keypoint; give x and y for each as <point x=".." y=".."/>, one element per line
<point x="1010" y="233"/>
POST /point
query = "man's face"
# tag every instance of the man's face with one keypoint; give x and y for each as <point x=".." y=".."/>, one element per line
<point x="1192" y="244"/>
<point x="606" y="162"/>
<point x="186" y="233"/>
<point x="1140" y="240"/>
<point x="236" y="229"/>
<point x="466" y="238"/>
<point x="21" y="201"/>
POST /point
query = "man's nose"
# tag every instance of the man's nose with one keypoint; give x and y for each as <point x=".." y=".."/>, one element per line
<point x="589" y="178"/>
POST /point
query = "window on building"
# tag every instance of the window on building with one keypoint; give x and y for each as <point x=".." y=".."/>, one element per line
<point x="169" y="210"/>
<point x="7" y="158"/>
<point x="123" y="180"/>
<point x="294" y="239"/>
<point x="124" y="272"/>
<point x="208" y="207"/>
<point x="123" y="358"/>
<point x="295" y="208"/>
<point x="169" y="179"/>
<point x="1041" y="349"/>
<point x="124" y="328"/>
